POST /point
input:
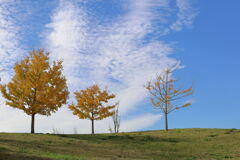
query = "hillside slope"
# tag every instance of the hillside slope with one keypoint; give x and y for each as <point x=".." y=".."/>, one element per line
<point x="177" y="144"/>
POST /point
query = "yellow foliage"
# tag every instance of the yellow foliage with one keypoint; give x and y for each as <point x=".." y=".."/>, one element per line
<point x="187" y="90"/>
<point x="36" y="87"/>
<point x="175" y="91"/>
<point x="91" y="104"/>
<point x="186" y="105"/>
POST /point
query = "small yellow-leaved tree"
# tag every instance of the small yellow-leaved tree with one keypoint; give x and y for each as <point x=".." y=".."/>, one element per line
<point x="92" y="104"/>
<point x="164" y="93"/>
<point x="37" y="87"/>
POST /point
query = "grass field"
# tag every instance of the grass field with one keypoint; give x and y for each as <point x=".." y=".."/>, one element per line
<point x="177" y="144"/>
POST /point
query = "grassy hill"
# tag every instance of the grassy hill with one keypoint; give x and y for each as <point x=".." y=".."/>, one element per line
<point x="177" y="144"/>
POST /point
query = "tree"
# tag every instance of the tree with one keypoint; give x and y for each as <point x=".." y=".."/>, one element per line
<point x="92" y="104"/>
<point x="116" y="121"/>
<point x="36" y="87"/>
<point x="164" y="93"/>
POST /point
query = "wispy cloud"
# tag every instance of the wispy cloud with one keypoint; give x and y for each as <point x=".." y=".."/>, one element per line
<point x="140" y="122"/>
<point x="10" y="52"/>
<point x="67" y="38"/>
<point x="9" y="39"/>
<point x="185" y="16"/>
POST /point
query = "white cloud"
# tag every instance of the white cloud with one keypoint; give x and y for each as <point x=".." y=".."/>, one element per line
<point x="185" y="16"/>
<point x="140" y="122"/>
<point x="10" y="49"/>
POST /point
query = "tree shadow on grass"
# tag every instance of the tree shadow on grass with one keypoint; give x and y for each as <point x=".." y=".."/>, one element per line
<point x="122" y="138"/>
<point x="6" y="154"/>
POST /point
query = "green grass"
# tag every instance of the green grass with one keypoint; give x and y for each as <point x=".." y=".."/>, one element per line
<point x="177" y="144"/>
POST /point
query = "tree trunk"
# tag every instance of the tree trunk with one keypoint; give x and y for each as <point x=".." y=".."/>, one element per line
<point x="92" y="126"/>
<point x="32" y="124"/>
<point x="115" y="127"/>
<point x="166" y="121"/>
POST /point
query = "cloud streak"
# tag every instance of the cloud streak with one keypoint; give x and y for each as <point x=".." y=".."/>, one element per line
<point x="185" y="16"/>
<point x="10" y="49"/>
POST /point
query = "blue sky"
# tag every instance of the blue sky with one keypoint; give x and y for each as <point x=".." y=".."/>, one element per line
<point x="210" y="52"/>
<point x="122" y="44"/>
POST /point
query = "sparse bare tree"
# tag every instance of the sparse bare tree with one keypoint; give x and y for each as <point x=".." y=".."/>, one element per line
<point x="57" y="131"/>
<point x="75" y="130"/>
<point x="116" y="120"/>
<point x="110" y="129"/>
<point x="164" y="94"/>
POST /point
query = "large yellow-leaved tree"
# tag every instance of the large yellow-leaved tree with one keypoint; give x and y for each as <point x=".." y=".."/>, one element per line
<point x="37" y="87"/>
<point x="165" y="93"/>
<point x="92" y="104"/>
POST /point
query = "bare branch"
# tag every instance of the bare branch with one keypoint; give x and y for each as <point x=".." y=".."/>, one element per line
<point x="164" y="93"/>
